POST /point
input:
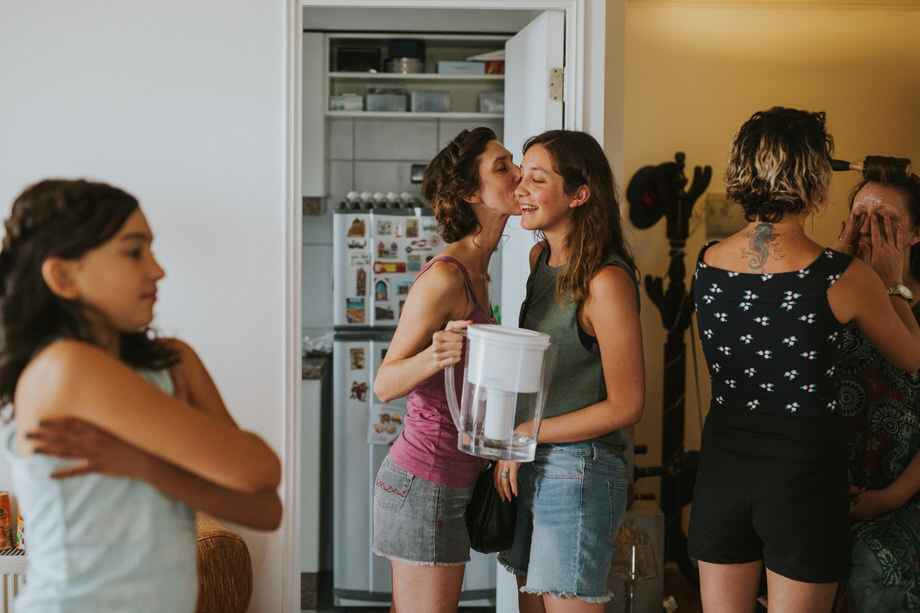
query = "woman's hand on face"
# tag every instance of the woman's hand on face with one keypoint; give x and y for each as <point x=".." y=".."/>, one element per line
<point x="885" y="254"/>
<point x="506" y="479"/>
<point x="97" y="450"/>
<point x="847" y="240"/>
<point x="447" y="344"/>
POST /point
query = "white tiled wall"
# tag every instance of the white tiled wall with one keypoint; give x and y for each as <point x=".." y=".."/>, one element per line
<point x="365" y="155"/>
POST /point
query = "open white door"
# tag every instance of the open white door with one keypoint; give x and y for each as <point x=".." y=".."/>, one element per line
<point x="533" y="104"/>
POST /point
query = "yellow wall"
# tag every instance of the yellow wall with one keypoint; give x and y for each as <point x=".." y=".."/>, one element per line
<point x="695" y="71"/>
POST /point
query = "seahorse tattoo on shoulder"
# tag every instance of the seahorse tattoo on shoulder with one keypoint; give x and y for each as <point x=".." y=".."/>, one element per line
<point x="761" y="245"/>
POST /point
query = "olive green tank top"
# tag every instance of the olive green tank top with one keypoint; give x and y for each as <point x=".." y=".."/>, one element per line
<point x="578" y="380"/>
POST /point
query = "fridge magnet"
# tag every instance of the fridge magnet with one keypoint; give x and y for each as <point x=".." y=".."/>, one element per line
<point x="384" y="226"/>
<point x="362" y="258"/>
<point x="434" y="241"/>
<point x="402" y="286"/>
<point x="413" y="263"/>
<point x="385" y="424"/>
<point x="358" y="390"/>
<point x="412" y="228"/>
<point x="384" y="312"/>
<point x="356" y="244"/>
<point x="381" y="268"/>
<point x="361" y="282"/>
<point x="387" y="251"/>
<point x="356" y="358"/>
<point x="397" y="229"/>
<point x="354" y="310"/>
<point x="357" y="228"/>
<point x="418" y="245"/>
<point x="381" y="289"/>
<point x="429" y="225"/>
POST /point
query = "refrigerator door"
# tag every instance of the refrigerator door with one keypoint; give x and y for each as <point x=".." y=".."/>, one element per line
<point x="358" y="574"/>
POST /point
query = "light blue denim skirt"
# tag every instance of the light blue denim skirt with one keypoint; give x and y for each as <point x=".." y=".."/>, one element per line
<point x="571" y="502"/>
<point x="418" y="521"/>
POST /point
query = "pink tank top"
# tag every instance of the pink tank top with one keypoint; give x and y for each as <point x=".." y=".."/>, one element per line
<point x="427" y="447"/>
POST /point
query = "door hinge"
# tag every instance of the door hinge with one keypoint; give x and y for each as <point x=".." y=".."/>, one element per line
<point x="555" y="84"/>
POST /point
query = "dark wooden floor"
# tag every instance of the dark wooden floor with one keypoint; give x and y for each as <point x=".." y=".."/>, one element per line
<point x="686" y="595"/>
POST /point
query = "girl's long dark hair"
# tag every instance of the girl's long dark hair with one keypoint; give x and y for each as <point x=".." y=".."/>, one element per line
<point x="65" y="219"/>
<point x="597" y="231"/>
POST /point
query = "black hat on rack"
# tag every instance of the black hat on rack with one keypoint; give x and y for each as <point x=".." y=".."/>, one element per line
<point x="646" y="205"/>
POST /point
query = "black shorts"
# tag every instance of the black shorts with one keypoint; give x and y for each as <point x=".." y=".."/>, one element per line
<point x="773" y="488"/>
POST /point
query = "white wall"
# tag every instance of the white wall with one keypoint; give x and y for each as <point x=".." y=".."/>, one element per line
<point x="183" y="104"/>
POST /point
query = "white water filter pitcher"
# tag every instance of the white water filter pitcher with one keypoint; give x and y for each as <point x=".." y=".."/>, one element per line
<point x="508" y="372"/>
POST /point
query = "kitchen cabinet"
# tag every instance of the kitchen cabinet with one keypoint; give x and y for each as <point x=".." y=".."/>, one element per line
<point x="463" y="89"/>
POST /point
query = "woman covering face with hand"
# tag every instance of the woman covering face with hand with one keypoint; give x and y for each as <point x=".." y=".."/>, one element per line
<point x="880" y="403"/>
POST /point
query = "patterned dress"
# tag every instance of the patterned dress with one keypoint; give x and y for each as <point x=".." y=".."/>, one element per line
<point x="881" y="405"/>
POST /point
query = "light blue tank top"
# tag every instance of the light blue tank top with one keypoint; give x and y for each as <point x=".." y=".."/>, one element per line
<point x="97" y="543"/>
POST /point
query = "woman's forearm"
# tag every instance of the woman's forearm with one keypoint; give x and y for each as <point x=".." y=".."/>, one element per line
<point x="259" y="510"/>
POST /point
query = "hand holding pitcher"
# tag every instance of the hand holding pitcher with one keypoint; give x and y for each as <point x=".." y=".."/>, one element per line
<point x="447" y="344"/>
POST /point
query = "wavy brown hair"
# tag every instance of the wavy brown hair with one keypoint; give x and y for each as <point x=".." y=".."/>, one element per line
<point x="451" y="177"/>
<point x="596" y="228"/>
<point x="779" y="163"/>
<point x="65" y="219"/>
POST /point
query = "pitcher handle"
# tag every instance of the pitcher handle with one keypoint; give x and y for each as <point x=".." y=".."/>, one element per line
<point x="450" y="391"/>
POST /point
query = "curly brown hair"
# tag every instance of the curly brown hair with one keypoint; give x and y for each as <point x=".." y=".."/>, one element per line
<point x="780" y="162"/>
<point x="451" y="177"/>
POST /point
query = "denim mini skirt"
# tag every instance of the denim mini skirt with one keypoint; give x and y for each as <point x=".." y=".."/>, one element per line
<point x="418" y="521"/>
<point x="571" y="502"/>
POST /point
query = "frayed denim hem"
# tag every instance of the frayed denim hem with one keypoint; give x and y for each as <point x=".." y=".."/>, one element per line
<point x="417" y="562"/>
<point x="530" y="590"/>
<point x="517" y="572"/>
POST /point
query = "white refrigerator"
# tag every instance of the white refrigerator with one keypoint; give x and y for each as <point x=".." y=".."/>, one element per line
<point x="377" y="253"/>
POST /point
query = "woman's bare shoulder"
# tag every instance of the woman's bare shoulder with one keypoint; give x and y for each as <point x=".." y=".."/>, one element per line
<point x="54" y="380"/>
<point x="441" y="281"/>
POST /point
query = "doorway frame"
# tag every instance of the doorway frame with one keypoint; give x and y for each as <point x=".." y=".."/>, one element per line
<point x="593" y="68"/>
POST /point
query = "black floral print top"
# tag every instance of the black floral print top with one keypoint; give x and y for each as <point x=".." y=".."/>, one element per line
<point x="771" y="340"/>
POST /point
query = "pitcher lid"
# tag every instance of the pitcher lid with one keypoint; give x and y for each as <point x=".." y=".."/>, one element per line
<point x="506" y="334"/>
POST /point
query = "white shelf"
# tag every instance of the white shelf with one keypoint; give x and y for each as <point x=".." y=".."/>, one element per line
<point x="463" y="89"/>
<point x="417" y="76"/>
<point x="412" y="115"/>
